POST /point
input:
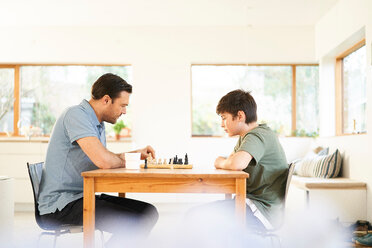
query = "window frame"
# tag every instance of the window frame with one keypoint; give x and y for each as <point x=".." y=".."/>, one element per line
<point x="16" y="108"/>
<point x="293" y="93"/>
<point x="339" y="88"/>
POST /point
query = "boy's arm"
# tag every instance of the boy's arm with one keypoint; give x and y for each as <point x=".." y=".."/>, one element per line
<point x="236" y="161"/>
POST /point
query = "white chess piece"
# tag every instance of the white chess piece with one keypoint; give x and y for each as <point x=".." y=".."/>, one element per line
<point x="149" y="159"/>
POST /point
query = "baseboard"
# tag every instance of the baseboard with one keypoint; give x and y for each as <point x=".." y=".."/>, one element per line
<point x="23" y="207"/>
<point x="159" y="199"/>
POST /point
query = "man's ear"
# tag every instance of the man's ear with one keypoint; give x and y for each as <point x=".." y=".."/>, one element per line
<point x="106" y="99"/>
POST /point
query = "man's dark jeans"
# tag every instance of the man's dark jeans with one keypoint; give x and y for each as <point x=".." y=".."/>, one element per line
<point x="126" y="219"/>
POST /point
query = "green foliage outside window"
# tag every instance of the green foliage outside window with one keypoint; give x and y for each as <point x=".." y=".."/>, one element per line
<point x="354" y="91"/>
<point x="271" y="87"/>
<point x="6" y="99"/>
<point x="46" y="91"/>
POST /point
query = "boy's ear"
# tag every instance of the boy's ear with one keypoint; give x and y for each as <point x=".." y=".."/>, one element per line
<point x="241" y="115"/>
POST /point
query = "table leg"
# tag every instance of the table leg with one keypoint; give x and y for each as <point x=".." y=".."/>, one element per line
<point x="228" y="196"/>
<point x="122" y="195"/>
<point x="240" y="199"/>
<point x="89" y="212"/>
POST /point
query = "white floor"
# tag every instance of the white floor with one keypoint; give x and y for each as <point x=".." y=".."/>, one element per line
<point x="171" y="231"/>
<point x="26" y="231"/>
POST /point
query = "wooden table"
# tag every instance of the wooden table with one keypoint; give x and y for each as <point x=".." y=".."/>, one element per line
<point x="159" y="181"/>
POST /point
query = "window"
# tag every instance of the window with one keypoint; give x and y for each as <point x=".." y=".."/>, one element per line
<point x="351" y="90"/>
<point x="46" y="91"/>
<point x="7" y="99"/>
<point x="272" y="87"/>
<point x="307" y="107"/>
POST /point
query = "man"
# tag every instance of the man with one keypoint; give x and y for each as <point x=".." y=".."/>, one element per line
<point x="77" y="144"/>
<point x="257" y="152"/>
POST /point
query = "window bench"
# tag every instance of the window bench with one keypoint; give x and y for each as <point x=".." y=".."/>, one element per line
<point x="341" y="198"/>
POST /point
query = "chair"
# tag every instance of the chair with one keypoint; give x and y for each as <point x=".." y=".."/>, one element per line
<point x="289" y="178"/>
<point x="35" y="171"/>
<point x="272" y="232"/>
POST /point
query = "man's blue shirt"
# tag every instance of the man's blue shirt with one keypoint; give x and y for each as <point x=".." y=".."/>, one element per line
<point x="61" y="182"/>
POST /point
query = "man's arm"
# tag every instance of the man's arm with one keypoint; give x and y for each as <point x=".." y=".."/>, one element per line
<point x="236" y="161"/>
<point x="99" y="155"/>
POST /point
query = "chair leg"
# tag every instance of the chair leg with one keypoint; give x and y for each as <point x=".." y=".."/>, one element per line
<point x="38" y="240"/>
<point x="278" y="241"/>
<point x="102" y="239"/>
<point x="45" y="233"/>
<point x="56" y="235"/>
<point x="55" y="241"/>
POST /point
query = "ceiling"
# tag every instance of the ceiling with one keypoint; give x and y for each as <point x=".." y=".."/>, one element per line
<point x="162" y="12"/>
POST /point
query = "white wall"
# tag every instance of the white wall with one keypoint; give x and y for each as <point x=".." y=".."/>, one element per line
<point x="161" y="59"/>
<point x="340" y="28"/>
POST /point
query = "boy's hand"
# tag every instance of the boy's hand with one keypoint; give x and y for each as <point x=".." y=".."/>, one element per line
<point x="219" y="162"/>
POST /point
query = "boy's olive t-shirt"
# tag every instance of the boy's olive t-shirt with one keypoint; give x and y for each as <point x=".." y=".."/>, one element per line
<point x="267" y="171"/>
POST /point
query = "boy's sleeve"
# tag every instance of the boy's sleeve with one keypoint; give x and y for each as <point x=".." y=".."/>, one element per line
<point x="254" y="145"/>
<point x="236" y="147"/>
<point x="77" y="125"/>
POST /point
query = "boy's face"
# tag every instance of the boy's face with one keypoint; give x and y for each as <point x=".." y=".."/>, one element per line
<point x="230" y="124"/>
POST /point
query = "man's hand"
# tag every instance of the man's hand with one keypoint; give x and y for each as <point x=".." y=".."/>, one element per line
<point x="219" y="162"/>
<point x="145" y="152"/>
<point x="122" y="157"/>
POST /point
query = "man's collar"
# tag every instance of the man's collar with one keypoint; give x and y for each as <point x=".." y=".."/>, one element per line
<point x="91" y="112"/>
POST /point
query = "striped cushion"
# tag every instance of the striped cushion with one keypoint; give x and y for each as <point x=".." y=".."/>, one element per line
<point x="326" y="166"/>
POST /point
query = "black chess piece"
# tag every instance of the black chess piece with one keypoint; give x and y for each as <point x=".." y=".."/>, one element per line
<point x="186" y="159"/>
<point x="170" y="160"/>
<point x="175" y="160"/>
<point x="145" y="163"/>
<point x="180" y="161"/>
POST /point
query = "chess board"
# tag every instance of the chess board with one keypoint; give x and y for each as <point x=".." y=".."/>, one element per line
<point x="167" y="166"/>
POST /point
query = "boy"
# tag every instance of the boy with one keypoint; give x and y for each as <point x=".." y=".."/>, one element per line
<point x="259" y="153"/>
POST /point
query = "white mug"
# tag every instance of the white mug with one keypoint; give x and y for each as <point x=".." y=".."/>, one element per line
<point x="132" y="160"/>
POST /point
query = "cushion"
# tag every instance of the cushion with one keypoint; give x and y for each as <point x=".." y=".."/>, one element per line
<point x="324" y="151"/>
<point x="317" y="149"/>
<point x="324" y="166"/>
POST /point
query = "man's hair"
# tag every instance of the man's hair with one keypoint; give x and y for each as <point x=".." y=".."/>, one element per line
<point x="111" y="85"/>
<point x="237" y="100"/>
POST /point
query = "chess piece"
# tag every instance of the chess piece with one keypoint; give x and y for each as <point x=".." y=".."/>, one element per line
<point x="170" y="161"/>
<point x="186" y="159"/>
<point x="165" y="161"/>
<point x="146" y="163"/>
<point x="175" y="160"/>
<point x="149" y="159"/>
<point x="159" y="161"/>
<point x="180" y="161"/>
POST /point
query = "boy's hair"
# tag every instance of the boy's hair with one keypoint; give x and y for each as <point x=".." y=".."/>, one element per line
<point x="111" y="85"/>
<point x="237" y="100"/>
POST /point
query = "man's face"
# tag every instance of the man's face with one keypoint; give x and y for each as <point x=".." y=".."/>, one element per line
<point x="230" y="124"/>
<point x="117" y="107"/>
